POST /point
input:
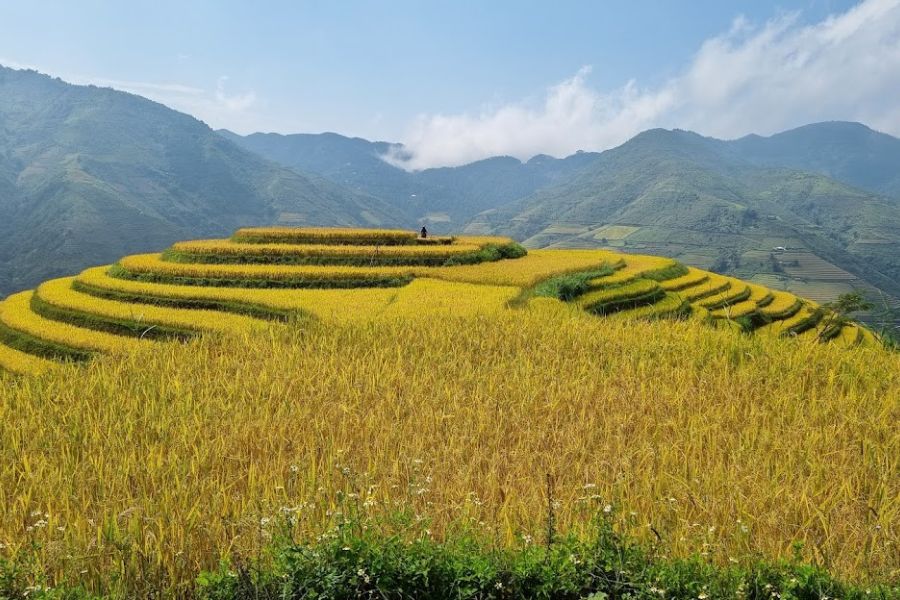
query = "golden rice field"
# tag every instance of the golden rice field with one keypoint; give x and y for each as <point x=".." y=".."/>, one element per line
<point x="325" y="235"/>
<point x="452" y="393"/>
<point x="166" y="460"/>
<point x="150" y="296"/>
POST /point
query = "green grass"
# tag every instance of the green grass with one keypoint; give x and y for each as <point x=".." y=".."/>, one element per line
<point x="813" y="319"/>
<point x="666" y="273"/>
<point x="570" y="286"/>
<point x="489" y="253"/>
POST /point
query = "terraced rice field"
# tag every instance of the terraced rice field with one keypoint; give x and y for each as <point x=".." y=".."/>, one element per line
<point x="263" y="276"/>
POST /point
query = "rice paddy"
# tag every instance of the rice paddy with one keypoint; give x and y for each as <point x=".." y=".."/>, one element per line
<point x="163" y="457"/>
<point x="182" y="292"/>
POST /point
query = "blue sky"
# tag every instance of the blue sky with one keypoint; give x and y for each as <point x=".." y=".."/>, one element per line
<point x="456" y="79"/>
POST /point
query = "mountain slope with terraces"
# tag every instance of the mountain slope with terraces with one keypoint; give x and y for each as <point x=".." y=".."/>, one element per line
<point x="265" y="275"/>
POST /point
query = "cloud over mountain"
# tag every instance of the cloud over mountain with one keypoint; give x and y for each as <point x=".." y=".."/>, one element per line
<point x="761" y="78"/>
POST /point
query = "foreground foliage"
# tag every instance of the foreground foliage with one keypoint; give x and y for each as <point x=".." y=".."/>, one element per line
<point x="356" y="560"/>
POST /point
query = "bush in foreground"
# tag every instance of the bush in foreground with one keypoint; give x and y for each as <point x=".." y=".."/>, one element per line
<point x="352" y="563"/>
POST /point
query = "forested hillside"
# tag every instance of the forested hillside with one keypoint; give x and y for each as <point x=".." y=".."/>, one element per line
<point x="87" y="174"/>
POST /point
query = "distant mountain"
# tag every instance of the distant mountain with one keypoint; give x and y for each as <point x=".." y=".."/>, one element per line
<point x="445" y="198"/>
<point x="848" y="152"/>
<point x="88" y="174"/>
<point x="683" y="195"/>
<point x="827" y="193"/>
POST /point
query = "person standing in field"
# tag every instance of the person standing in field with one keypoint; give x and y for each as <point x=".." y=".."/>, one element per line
<point x="424" y="232"/>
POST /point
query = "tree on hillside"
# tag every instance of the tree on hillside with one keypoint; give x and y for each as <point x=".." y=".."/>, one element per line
<point x="838" y="312"/>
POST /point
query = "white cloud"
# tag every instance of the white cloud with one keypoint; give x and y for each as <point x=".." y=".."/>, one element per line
<point x="217" y="107"/>
<point x="750" y="79"/>
<point x="235" y="103"/>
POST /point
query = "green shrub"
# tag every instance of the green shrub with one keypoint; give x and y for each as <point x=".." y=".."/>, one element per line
<point x="570" y="286"/>
<point x="356" y="564"/>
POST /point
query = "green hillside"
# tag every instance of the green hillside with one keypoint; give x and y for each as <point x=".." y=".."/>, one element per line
<point x="88" y="174"/>
<point x="848" y="152"/>
<point x="676" y="193"/>
<point x="443" y="198"/>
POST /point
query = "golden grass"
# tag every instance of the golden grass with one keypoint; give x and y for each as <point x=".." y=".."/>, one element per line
<point x="784" y="326"/>
<point x="16" y="313"/>
<point x="521" y="272"/>
<point x="714" y="285"/>
<point x="331" y="305"/>
<point x="159" y="464"/>
<point x="783" y="303"/>
<point x="527" y="271"/>
<point x="759" y="293"/>
<point x="738" y="291"/>
<point x="434" y="299"/>
<point x="634" y="289"/>
<point x="692" y="278"/>
<point x="635" y="266"/>
<point x="144" y="264"/>
<point x="326" y="235"/>
<point x="422" y="296"/>
<point x="229" y="248"/>
<point x="59" y="293"/>
<point x="19" y="363"/>
<point x="667" y="306"/>
<point x="850" y="336"/>
<point x="735" y="311"/>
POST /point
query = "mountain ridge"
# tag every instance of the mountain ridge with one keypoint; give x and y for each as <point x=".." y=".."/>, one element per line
<point x="88" y="173"/>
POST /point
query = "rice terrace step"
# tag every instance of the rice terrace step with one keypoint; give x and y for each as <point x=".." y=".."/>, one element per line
<point x="284" y="275"/>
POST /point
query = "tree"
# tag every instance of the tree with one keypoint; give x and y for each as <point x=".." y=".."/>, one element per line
<point x="837" y="312"/>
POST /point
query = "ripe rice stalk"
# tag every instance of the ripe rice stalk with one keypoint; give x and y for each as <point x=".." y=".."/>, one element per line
<point x="154" y="465"/>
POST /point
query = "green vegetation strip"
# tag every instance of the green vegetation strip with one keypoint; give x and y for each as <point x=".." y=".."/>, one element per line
<point x="831" y="331"/>
<point x="298" y="283"/>
<point x="29" y="344"/>
<point x="666" y="273"/>
<point x="808" y="322"/>
<point x="604" y="566"/>
<point x="242" y="308"/>
<point x="695" y="295"/>
<point x="357" y="562"/>
<point x="727" y="299"/>
<point x="87" y="320"/>
<point x="570" y="286"/>
<point x="638" y="293"/>
<point x="344" y="260"/>
<point x="364" y="256"/>
<point x="335" y="237"/>
<point x="788" y="312"/>
<point x="672" y="306"/>
<point x="489" y="253"/>
<point x="766" y="300"/>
